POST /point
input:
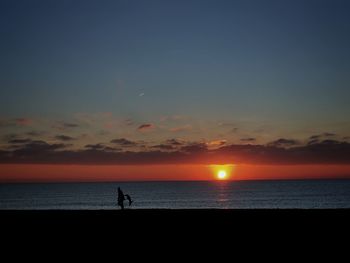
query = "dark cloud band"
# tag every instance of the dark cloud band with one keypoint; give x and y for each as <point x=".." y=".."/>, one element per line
<point x="325" y="152"/>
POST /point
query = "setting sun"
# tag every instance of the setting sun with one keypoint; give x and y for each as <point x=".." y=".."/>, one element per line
<point x="222" y="174"/>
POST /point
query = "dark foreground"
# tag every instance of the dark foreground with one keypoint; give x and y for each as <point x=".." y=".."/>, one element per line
<point x="140" y="217"/>
<point x="178" y="213"/>
<point x="143" y="225"/>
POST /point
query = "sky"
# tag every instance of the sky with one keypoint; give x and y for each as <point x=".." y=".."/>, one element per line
<point x="146" y="84"/>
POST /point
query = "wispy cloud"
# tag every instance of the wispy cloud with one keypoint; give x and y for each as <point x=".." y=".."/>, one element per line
<point x="101" y="147"/>
<point x="63" y="126"/>
<point x="194" y="147"/>
<point x="284" y="143"/>
<point x="64" y="138"/>
<point x="146" y="127"/>
<point x="165" y="147"/>
<point x="217" y="143"/>
<point x="124" y="142"/>
<point x="319" y="137"/>
<point x="175" y="142"/>
<point x="250" y="139"/>
<point x="19" y="141"/>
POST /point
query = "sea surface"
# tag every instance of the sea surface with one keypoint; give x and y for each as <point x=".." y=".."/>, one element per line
<point x="179" y="195"/>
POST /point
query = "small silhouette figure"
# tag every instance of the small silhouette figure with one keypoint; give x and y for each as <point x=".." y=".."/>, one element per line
<point x="121" y="198"/>
<point x="129" y="199"/>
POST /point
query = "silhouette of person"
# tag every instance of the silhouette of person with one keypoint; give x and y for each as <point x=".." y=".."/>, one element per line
<point x="121" y="198"/>
<point x="129" y="199"/>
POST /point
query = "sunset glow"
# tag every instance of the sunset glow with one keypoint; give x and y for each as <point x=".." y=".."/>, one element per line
<point x="174" y="90"/>
<point x="94" y="173"/>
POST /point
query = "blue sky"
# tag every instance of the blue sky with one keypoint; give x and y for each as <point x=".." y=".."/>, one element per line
<point x="281" y="67"/>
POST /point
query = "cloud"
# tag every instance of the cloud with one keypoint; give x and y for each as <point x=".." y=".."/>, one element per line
<point x="100" y="147"/>
<point x="217" y="143"/>
<point x="194" y="147"/>
<point x="166" y="147"/>
<point x="37" y="150"/>
<point x="170" y="144"/>
<point x="313" y="141"/>
<point x="65" y="125"/>
<point x="70" y="125"/>
<point x="314" y="137"/>
<point x="9" y="136"/>
<point x="44" y="146"/>
<point x="124" y="142"/>
<point x="146" y="127"/>
<point x="329" y="142"/>
<point x="174" y="142"/>
<point x="19" y="141"/>
<point x="64" y="138"/>
<point x="248" y="139"/>
<point x="284" y="143"/>
<point x="323" y="135"/>
<point x="324" y="152"/>
<point x="328" y="134"/>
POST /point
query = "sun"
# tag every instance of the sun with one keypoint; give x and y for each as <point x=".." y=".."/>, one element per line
<point x="222" y="174"/>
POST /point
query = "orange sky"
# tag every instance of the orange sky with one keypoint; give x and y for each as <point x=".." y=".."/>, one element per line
<point x="54" y="173"/>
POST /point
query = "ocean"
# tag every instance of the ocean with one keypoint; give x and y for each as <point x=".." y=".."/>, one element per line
<point x="179" y="195"/>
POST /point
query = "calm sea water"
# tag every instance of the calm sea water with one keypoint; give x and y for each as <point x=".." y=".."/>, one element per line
<point x="175" y="195"/>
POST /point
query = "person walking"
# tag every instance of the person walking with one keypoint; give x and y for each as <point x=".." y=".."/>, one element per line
<point x="121" y="198"/>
